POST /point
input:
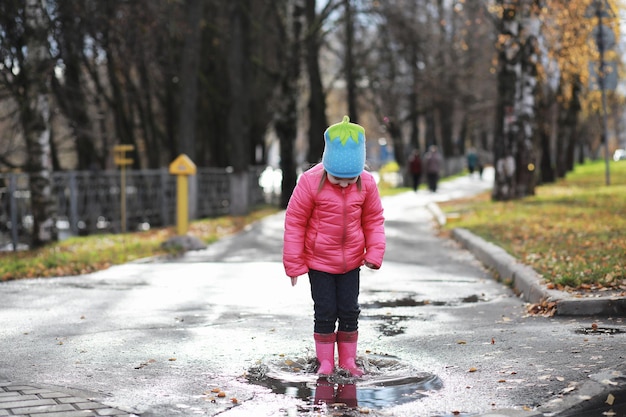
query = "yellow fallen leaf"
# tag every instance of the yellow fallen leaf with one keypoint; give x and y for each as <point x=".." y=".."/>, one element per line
<point x="472" y="369"/>
<point x="171" y="359"/>
<point x="610" y="399"/>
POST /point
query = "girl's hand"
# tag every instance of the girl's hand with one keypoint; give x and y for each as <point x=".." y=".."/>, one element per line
<point x="371" y="265"/>
<point x="294" y="281"/>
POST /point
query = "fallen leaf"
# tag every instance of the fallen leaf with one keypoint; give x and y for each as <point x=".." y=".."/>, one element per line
<point x="472" y="369"/>
<point x="609" y="382"/>
<point x="610" y="399"/>
<point x="461" y="342"/>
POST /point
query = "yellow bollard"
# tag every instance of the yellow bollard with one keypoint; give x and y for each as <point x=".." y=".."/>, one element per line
<point x="182" y="166"/>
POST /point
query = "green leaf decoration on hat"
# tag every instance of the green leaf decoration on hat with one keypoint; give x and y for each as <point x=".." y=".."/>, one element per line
<point x="345" y="130"/>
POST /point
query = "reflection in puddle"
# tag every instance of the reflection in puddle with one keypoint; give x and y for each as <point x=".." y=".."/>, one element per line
<point x="387" y="382"/>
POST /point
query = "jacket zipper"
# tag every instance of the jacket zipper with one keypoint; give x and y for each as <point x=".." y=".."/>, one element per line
<point x="344" y="236"/>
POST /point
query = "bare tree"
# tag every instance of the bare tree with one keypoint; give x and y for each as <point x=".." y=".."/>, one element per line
<point x="286" y="117"/>
<point x="189" y="78"/>
<point x="317" y="96"/>
<point x="35" y="73"/>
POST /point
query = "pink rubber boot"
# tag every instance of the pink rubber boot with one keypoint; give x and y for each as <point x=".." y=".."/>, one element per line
<point x="346" y="345"/>
<point x="325" y="352"/>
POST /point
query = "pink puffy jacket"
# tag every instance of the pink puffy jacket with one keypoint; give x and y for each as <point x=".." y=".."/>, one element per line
<point x="333" y="229"/>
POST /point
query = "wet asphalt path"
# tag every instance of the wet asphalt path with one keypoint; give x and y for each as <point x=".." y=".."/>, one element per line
<point x="157" y="338"/>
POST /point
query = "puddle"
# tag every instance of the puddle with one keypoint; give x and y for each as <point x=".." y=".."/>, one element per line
<point x="598" y="330"/>
<point x="390" y="324"/>
<point x="411" y="302"/>
<point x="387" y="382"/>
<point x="400" y="302"/>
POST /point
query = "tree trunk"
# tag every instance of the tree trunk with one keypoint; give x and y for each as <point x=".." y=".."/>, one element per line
<point x="189" y="79"/>
<point x="286" y="124"/>
<point x="71" y="95"/>
<point x="35" y="123"/>
<point x="239" y="112"/>
<point x="353" y="112"/>
<point x="317" y="99"/>
<point x="514" y="153"/>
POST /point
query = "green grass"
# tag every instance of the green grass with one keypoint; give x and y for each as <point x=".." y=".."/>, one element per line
<point x="82" y="255"/>
<point x="572" y="232"/>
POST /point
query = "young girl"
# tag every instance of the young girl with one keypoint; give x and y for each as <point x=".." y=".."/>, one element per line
<point x="333" y="226"/>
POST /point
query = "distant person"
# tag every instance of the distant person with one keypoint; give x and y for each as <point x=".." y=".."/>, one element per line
<point x="415" y="168"/>
<point x="432" y="164"/>
<point x="472" y="161"/>
<point x="334" y="225"/>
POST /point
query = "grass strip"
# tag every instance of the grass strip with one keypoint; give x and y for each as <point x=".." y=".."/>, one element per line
<point x="85" y="254"/>
<point x="572" y="232"/>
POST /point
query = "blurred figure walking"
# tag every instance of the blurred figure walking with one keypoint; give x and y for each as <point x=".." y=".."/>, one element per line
<point x="432" y="162"/>
<point x="415" y="168"/>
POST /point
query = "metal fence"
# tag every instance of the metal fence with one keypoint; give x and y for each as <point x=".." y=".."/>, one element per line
<point x="89" y="202"/>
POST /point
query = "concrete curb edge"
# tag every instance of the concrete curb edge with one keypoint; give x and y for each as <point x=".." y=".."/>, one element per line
<point x="526" y="281"/>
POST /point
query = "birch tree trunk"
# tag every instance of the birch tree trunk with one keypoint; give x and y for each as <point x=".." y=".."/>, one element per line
<point x="514" y="153"/>
<point x="35" y="123"/>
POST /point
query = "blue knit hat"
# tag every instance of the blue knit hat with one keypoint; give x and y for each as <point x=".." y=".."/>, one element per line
<point x="344" y="149"/>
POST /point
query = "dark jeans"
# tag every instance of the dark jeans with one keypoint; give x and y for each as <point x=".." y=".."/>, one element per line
<point x="416" y="181"/>
<point x="335" y="297"/>
<point x="433" y="179"/>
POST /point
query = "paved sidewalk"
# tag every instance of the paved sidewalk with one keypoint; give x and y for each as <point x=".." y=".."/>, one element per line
<point x="31" y="401"/>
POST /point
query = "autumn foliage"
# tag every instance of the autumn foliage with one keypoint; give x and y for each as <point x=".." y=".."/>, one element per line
<point x="572" y="232"/>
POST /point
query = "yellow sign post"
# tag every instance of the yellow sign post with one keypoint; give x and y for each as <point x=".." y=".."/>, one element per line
<point x="182" y="167"/>
<point x="120" y="159"/>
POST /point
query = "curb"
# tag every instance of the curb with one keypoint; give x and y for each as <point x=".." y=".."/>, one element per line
<point x="525" y="281"/>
